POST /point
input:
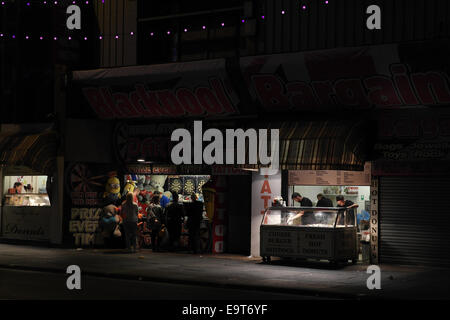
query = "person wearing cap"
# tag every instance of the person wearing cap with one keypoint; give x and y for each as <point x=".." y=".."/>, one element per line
<point x="308" y="216"/>
<point x="323" y="201"/>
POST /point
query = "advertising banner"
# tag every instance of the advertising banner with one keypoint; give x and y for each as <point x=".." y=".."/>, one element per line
<point x="355" y="79"/>
<point x="84" y="200"/>
<point x="264" y="189"/>
<point x="175" y="90"/>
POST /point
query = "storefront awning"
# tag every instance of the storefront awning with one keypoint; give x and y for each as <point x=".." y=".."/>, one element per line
<point x="36" y="151"/>
<point x="322" y="145"/>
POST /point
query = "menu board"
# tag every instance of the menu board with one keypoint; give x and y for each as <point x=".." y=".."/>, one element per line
<point x="330" y="177"/>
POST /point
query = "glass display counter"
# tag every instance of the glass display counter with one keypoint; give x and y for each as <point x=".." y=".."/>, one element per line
<point x="309" y="233"/>
<point x="27" y="200"/>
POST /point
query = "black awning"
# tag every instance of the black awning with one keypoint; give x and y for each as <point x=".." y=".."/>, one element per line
<point x="36" y="151"/>
<point x="323" y="145"/>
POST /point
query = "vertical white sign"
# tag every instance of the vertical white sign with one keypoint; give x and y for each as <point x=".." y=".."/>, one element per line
<point x="264" y="189"/>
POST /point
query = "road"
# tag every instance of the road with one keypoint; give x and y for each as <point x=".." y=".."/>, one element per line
<point x="23" y="284"/>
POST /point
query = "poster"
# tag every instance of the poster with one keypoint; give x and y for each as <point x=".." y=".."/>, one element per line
<point x="264" y="189"/>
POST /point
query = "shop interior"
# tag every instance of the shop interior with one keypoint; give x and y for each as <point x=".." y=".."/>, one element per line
<point x="31" y="192"/>
<point x="148" y="184"/>
<point x="357" y="194"/>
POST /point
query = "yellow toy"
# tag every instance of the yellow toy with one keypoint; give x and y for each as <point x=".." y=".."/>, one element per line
<point x="129" y="187"/>
<point x="112" y="188"/>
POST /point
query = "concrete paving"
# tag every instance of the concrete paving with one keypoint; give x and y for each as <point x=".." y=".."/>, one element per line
<point x="316" y="279"/>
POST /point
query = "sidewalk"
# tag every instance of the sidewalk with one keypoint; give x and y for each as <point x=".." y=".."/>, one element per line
<point x="235" y="271"/>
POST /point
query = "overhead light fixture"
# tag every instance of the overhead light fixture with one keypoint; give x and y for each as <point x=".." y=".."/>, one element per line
<point x="140" y="160"/>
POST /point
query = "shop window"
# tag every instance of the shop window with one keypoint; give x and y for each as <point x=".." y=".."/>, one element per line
<point x="25" y="191"/>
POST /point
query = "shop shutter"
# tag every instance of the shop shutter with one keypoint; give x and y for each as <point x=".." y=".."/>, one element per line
<point x="414" y="220"/>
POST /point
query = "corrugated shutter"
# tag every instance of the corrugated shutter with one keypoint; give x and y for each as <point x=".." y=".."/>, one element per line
<point x="415" y="220"/>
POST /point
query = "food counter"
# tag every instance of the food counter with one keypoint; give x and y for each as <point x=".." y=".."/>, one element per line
<point x="309" y="233"/>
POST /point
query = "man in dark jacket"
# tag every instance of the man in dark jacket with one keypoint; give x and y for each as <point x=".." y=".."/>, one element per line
<point x="307" y="216"/>
<point x="174" y="216"/>
<point x="194" y="213"/>
<point x="349" y="205"/>
<point x="323" y="201"/>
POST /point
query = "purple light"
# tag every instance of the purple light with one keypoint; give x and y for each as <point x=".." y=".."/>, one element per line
<point x="223" y="24"/>
<point x="28" y="4"/>
<point x="304" y="7"/>
<point x="3" y="3"/>
<point x="185" y="30"/>
<point x="87" y="2"/>
<point x="73" y="2"/>
<point x="283" y="12"/>
<point x="1" y="34"/>
<point x="100" y="37"/>
<point x="263" y="17"/>
<point x="13" y="36"/>
<point x="117" y="37"/>
<point x="41" y="38"/>
<point x="56" y="2"/>
<point x="151" y="34"/>
<point x="243" y="20"/>
<point x="204" y="27"/>
<point x="55" y="38"/>
<point x="27" y="37"/>
<point x="70" y="38"/>
<point x="85" y="38"/>
<point x="326" y="2"/>
<point x="168" y="32"/>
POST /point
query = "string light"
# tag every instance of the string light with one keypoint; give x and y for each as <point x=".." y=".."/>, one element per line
<point x="152" y="34"/>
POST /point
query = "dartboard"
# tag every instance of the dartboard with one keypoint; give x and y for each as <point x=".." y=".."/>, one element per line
<point x="175" y="185"/>
<point x="189" y="186"/>
<point x="79" y="179"/>
<point x="200" y="183"/>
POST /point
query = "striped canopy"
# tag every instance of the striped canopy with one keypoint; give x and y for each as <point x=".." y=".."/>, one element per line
<point x="324" y="145"/>
<point x="36" y="151"/>
<point x="319" y="145"/>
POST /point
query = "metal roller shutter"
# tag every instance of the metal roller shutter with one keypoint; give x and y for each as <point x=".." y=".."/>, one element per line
<point x="414" y="220"/>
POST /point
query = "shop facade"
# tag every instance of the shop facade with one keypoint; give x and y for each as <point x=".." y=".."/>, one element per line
<point x="330" y="107"/>
<point x="30" y="208"/>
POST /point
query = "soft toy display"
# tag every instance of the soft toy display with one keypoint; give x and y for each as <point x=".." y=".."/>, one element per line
<point x="140" y="182"/>
<point x="129" y="187"/>
<point x="148" y="183"/>
<point x="112" y="188"/>
<point x="157" y="183"/>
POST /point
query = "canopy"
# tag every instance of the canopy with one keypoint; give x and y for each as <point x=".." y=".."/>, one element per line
<point x="36" y="151"/>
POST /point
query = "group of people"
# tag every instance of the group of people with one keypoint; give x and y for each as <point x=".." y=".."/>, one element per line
<point x="161" y="219"/>
<point x="324" y="202"/>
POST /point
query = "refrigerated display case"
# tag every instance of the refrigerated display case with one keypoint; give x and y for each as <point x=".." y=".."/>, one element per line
<point x="309" y="233"/>
<point x="27" y="199"/>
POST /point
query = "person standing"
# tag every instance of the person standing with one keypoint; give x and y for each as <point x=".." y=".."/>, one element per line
<point x="130" y="219"/>
<point x="307" y="216"/>
<point x="155" y="221"/>
<point x="342" y="203"/>
<point x="194" y="213"/>
<point x="174" y="215"/>
<point x="323" y="202"/>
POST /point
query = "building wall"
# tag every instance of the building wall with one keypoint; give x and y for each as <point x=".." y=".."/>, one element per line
<point x="343" y="23"/>
<point x="117" y="18"/>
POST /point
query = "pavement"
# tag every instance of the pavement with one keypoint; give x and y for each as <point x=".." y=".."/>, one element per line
<point x="314" y="279"/>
